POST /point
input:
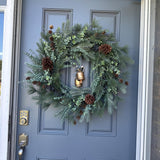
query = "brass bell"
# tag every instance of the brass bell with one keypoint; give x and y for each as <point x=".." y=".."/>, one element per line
<point x="78" y="83"/>
<point x="80" y="75"/>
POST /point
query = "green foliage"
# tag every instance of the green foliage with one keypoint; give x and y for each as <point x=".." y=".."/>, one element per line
<point x="65" y="48"/>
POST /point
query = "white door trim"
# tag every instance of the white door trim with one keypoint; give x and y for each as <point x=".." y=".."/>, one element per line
<point x="6" y="76"/>
<point x="145" y="76"/>
<point x="145" y="80"/>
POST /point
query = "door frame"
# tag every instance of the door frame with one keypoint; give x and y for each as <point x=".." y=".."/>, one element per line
<point x="10" y="76"/>
<point x="6" y="87"/>
<point x="145" y="79"/>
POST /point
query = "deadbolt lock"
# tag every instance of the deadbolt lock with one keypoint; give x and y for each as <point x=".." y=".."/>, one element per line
<point x="24" y="115"/>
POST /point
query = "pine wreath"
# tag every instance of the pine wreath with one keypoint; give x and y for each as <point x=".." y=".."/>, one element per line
<point x="64" y="49"/>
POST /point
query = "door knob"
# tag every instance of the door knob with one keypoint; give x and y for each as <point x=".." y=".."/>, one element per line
<point x="23" y="142"/>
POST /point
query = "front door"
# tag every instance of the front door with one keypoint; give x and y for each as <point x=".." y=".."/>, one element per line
<point x="105" y="138"/>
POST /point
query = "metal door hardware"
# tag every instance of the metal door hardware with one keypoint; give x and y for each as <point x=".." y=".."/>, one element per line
<point x="24" y="117"/>
<point x="23" y="141"/>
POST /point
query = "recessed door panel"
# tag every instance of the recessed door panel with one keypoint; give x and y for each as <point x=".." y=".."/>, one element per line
<point x="102" y="126"/>
<point x="109" y="20"/>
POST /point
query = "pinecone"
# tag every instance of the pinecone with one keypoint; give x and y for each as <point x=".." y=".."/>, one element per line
<point x="51" y="26"/>
<point x="84" y="106"/>
<point x="28" y="78"/>
<point x="104" y="32"/>
<point x="47" y="64"/>
<point x="74" y="122"/>
<point x="52" y="44"/>
<point x="121" y="80"/>
<point x="50" y="32"/>
<point x="126" y="83"/>
<point x="51" y="38"/>
<point x="105" y="48"/>
<point x="81" y="112"/>
<point x="34" y="82"/>
<point x="89" y="99"/>
<point x="116" y="75"/>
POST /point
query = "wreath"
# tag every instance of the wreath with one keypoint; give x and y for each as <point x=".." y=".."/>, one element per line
<point x="66" y="48"/>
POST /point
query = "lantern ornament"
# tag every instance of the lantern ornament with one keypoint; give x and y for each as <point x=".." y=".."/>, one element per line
<point x="79" y="77"/>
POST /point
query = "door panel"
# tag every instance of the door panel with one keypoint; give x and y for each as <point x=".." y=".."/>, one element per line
<point x="104" y="138"/>
<point x="109" y="20"/>
<point x="102" y="126"/>
<point x="50" y="124"/>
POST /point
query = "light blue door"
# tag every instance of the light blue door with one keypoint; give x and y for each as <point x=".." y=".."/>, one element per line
<point x="105" y="138"/>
